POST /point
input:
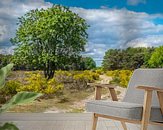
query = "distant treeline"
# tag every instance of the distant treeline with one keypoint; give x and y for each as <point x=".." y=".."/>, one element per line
<point x="130" y="58"/>
<point x="133" y="58"/>
<point x="82" y="63"/>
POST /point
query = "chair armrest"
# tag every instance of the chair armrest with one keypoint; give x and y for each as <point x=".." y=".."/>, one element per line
<point x="99" y="86"/>
<point x="159" y="93"/>
<point x="148" y="88"/>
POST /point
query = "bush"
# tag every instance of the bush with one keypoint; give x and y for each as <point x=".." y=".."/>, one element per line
<point x="11" y="87"/>
<point x="156" y="60"/>
<point x="87" y="76"/>
<point x="64" y="76"/>
<point x="76" y="79"/>
<point x="9" y="90"/>
<point x="100" y="71"/>
<point x="82" y="78"/>
<point x="35" y="82"/>
<point x="120" y="77"/>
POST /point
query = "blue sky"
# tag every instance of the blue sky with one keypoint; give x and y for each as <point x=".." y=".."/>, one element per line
<point x="149" y="6"/>
<point x="113" y="23"/>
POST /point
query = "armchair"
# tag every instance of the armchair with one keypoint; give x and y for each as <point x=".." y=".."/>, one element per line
<point x="138" y="107"/>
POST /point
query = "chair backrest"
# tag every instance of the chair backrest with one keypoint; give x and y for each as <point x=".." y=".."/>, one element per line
<point x="147" y="77"/>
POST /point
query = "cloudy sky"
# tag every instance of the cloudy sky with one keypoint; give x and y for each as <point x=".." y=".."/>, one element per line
<point x="113" y="23"/>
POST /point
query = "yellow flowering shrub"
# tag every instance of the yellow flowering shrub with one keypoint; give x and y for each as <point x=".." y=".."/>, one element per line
<point x="125" y="76"/>
<point x="111" y="73"/>
<point x="120" y="77"/>
<point x="99" y="71"/>
<point x="87" y="75"/>
<point x="76" y="79"/>
<point x="35" y="82"/>
<point x="81" y="78"/>
<point x="64" y="76"/>
<point x="11" y="87"/>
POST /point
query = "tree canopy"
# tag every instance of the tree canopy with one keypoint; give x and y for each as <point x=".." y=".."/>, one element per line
<point x="156" y="60"/>
<point x="50" y="38"/>
<point x="130" y="58"/>
<point x="87" y="63"/>
<point x="5" y="60"/>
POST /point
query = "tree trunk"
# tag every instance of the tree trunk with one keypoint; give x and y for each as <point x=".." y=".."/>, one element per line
<point x="49" y="70"/>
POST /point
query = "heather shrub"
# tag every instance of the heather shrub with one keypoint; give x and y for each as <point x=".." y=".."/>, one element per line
<point x="100" y="71"/>
<point x="87" y="75"/>
<point x="64" y="76"/>
<point x="11" y="87"/>
<point x="76" y="79"/>
<point x="35" y="82"/>
<point x="120" y="77"/>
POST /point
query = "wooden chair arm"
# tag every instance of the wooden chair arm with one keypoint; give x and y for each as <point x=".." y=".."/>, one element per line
<point x="98" y="88"/>
<point x="148" y="101"/>
<point x="148" y="88"/>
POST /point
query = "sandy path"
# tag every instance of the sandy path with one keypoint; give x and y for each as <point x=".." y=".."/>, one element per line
<point x="81" y="105"/>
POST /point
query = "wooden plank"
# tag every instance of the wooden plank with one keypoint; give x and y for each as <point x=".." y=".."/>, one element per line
<point x="146" y="109"/>
<point x="123" y="125"/>
<point x="113" y="94"/>
<point x="97" y="93"/>
<point x="160" y="98"/>
<point x="101" y="125"/>
<point x="59" y="122"/>
<point x="80" y="125"/>
<point x="150" y="88"/>
<point x="119" y="119"/>
<point x="94" y="123"/>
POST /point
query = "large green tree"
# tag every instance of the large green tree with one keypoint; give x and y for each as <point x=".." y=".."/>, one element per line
<point x="130" y="58"/>
<point x="49" y="38"/>
<point x="156" y="60"/>
<point x="147" y="57"/>
<point x="87" y="63"/>
<point x="112" y="59"/>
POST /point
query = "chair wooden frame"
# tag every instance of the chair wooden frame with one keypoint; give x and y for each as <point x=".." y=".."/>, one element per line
<point x="146" y="107"/>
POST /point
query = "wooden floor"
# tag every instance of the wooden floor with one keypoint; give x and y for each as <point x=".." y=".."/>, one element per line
<point x="51" y="121"/>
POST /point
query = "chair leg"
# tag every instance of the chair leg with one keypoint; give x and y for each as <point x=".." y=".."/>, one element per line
<point x="146" y="110"/>
<point x="124" y="125"/>
<point x="94" y="124"/>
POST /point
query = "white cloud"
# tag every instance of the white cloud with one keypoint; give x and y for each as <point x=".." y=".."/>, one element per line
<point x="2" y="32"/>
<point x="7" y="50"/>
<point x="109" y="28"/>
<point x="148" y="41"/>
<point x="96" y="51"/>
<point x="113" y="28"/>
<point x="10" y="10"/>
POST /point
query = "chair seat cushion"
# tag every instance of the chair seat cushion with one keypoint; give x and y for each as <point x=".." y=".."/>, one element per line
<point x="125" y="110"/>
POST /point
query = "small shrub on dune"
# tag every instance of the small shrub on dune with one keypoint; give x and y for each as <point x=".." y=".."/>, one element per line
<point x="11" y="87"/>
<point x="100" y="71"/>
<point x="87" y="76"/>
<point x="35" y="82"/>
<point x="120" y="77"/>
<point x="76" y="79"/>
<point x="63" y="76"/>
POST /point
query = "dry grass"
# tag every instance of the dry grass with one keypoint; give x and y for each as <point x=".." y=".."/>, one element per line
<point x="63" y="103"/>
<point x="70" y="100"/>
